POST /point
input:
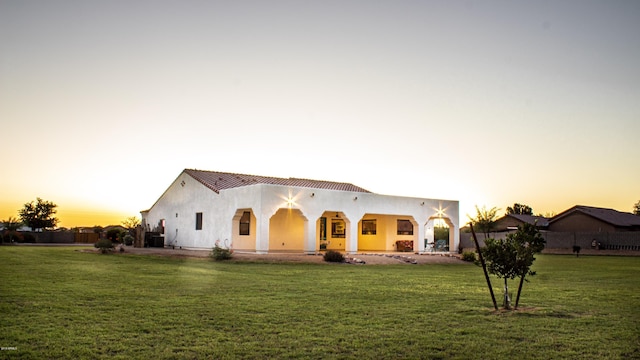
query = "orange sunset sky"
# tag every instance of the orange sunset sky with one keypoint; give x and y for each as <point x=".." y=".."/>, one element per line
<point x="104" y="103"/>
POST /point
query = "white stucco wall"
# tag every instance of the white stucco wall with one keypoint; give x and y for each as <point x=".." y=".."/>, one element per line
<point x="186" y="196"/>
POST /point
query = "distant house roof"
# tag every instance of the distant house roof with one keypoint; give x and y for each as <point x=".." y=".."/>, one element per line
<point x="610" y="216"/>
<point x="539" y="221"/>
<point x="217" y="181"/>
<point x="511" y="221"/>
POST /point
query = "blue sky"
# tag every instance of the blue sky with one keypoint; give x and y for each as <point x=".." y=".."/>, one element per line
<point x="103" y="103"/>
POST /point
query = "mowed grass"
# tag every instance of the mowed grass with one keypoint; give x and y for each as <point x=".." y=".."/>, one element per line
<point x="58" y="302"/>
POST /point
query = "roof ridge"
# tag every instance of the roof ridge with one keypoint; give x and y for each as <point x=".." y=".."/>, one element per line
<point x="232" y="180"/>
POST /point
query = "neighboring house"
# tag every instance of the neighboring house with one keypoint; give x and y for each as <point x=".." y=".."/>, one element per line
<point x="263" y="214"/>
<point x="22" y="228"/>
<point x="512" y="221"/>
<point x="593" y="219"/>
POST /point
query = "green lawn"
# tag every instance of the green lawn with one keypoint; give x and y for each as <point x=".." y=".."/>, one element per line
<point x="57" y="302"/>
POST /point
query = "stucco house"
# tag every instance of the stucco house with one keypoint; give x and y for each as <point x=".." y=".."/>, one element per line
<point x="268" y="214"/>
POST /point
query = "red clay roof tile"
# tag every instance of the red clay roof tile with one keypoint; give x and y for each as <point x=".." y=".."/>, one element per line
<point x="217" y="181"/>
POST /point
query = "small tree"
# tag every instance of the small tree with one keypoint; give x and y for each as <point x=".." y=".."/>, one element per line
<point x="39" y="216"/>
<point x="11" y="224"/>
<point x="131" y="223"/>
<point x="513" y="257"/>
<point x="529" y="242"/>
<point x="636" y="208"/>
<point x="10" y="232"/>
<point x="519" y="209"/>
<point x="485" y="220"/>
<point x="500" y="255"/>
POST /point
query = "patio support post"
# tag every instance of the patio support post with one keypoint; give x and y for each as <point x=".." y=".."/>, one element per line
<point x="262" y="234"/>
<point x="352" y="237"/>
<point x="309" y="237"/>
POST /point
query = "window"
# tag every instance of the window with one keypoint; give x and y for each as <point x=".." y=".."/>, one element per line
<point x="245" y="223"/>
<point x="369" y="227"/>
<point x="199" y="221"/>
<point x="337" y="228"/>
<point x="405" y="227"/>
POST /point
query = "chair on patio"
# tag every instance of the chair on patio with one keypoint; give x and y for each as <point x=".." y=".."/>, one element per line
<point x="431" y="247"/>
<point x="442" y="245"/>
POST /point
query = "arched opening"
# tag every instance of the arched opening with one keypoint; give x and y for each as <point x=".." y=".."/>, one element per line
<point x="384" y="232"/>
<point x="286" y="230"/>
<point x="332" y="231"/>
<point x="439" y="236"/>
<point x="244" y="230"/>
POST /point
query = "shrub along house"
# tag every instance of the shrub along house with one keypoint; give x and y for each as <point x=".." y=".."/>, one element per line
<point x="262" y="214"/>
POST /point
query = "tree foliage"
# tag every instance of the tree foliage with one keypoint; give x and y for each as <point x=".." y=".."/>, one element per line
<point x="115" y="234"/>
<point x="519" y="209"/>
<point x="636" y="208"/>
<point x="131" y="222"/>
<point x="485" y="220"/>
<point x="39" y="215"/>
<point x="441" y="232"/>
<point x="11" y="224"/>
<point x="513" y="256"/>
<point x="10" y="230"/>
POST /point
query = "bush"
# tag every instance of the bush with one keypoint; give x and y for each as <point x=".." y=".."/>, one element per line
<point x="576" y="249"/>
<point x="105" y="245"/>
<point x="128" y="240"/>
<point x="11" y="236"/>
<point x="219" y="253"/>
<point x="469" y="256"/>
<point x="333" y="256"/>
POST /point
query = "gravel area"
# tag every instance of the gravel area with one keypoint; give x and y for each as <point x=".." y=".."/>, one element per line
<point x="363" y="258"/>
<point x="360" y="258"/>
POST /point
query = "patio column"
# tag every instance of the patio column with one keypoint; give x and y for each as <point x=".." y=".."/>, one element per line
<point x="309" y="237"/>
<point x="421" y="237"/>
<point x="262" y="234"/>
<point x="351" y="247"/>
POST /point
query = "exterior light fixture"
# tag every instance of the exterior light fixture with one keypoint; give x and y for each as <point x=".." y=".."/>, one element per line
<point x="313" y="194"/>
<point x="422" y="203"/>
<point x="355" y="198"/>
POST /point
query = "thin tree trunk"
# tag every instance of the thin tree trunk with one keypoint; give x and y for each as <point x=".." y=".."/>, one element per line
<point x="507" y="301"/>
<point x="519" y="290"/>
<point x="484" y="267"/>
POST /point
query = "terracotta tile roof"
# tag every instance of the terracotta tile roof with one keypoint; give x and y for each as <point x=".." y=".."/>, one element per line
<point x="611" y="216"/>
<point x="217" y="181"/>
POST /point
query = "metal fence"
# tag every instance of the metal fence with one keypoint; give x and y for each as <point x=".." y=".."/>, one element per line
<point x="59" y="237"/>
<point x="566" y="240"/>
